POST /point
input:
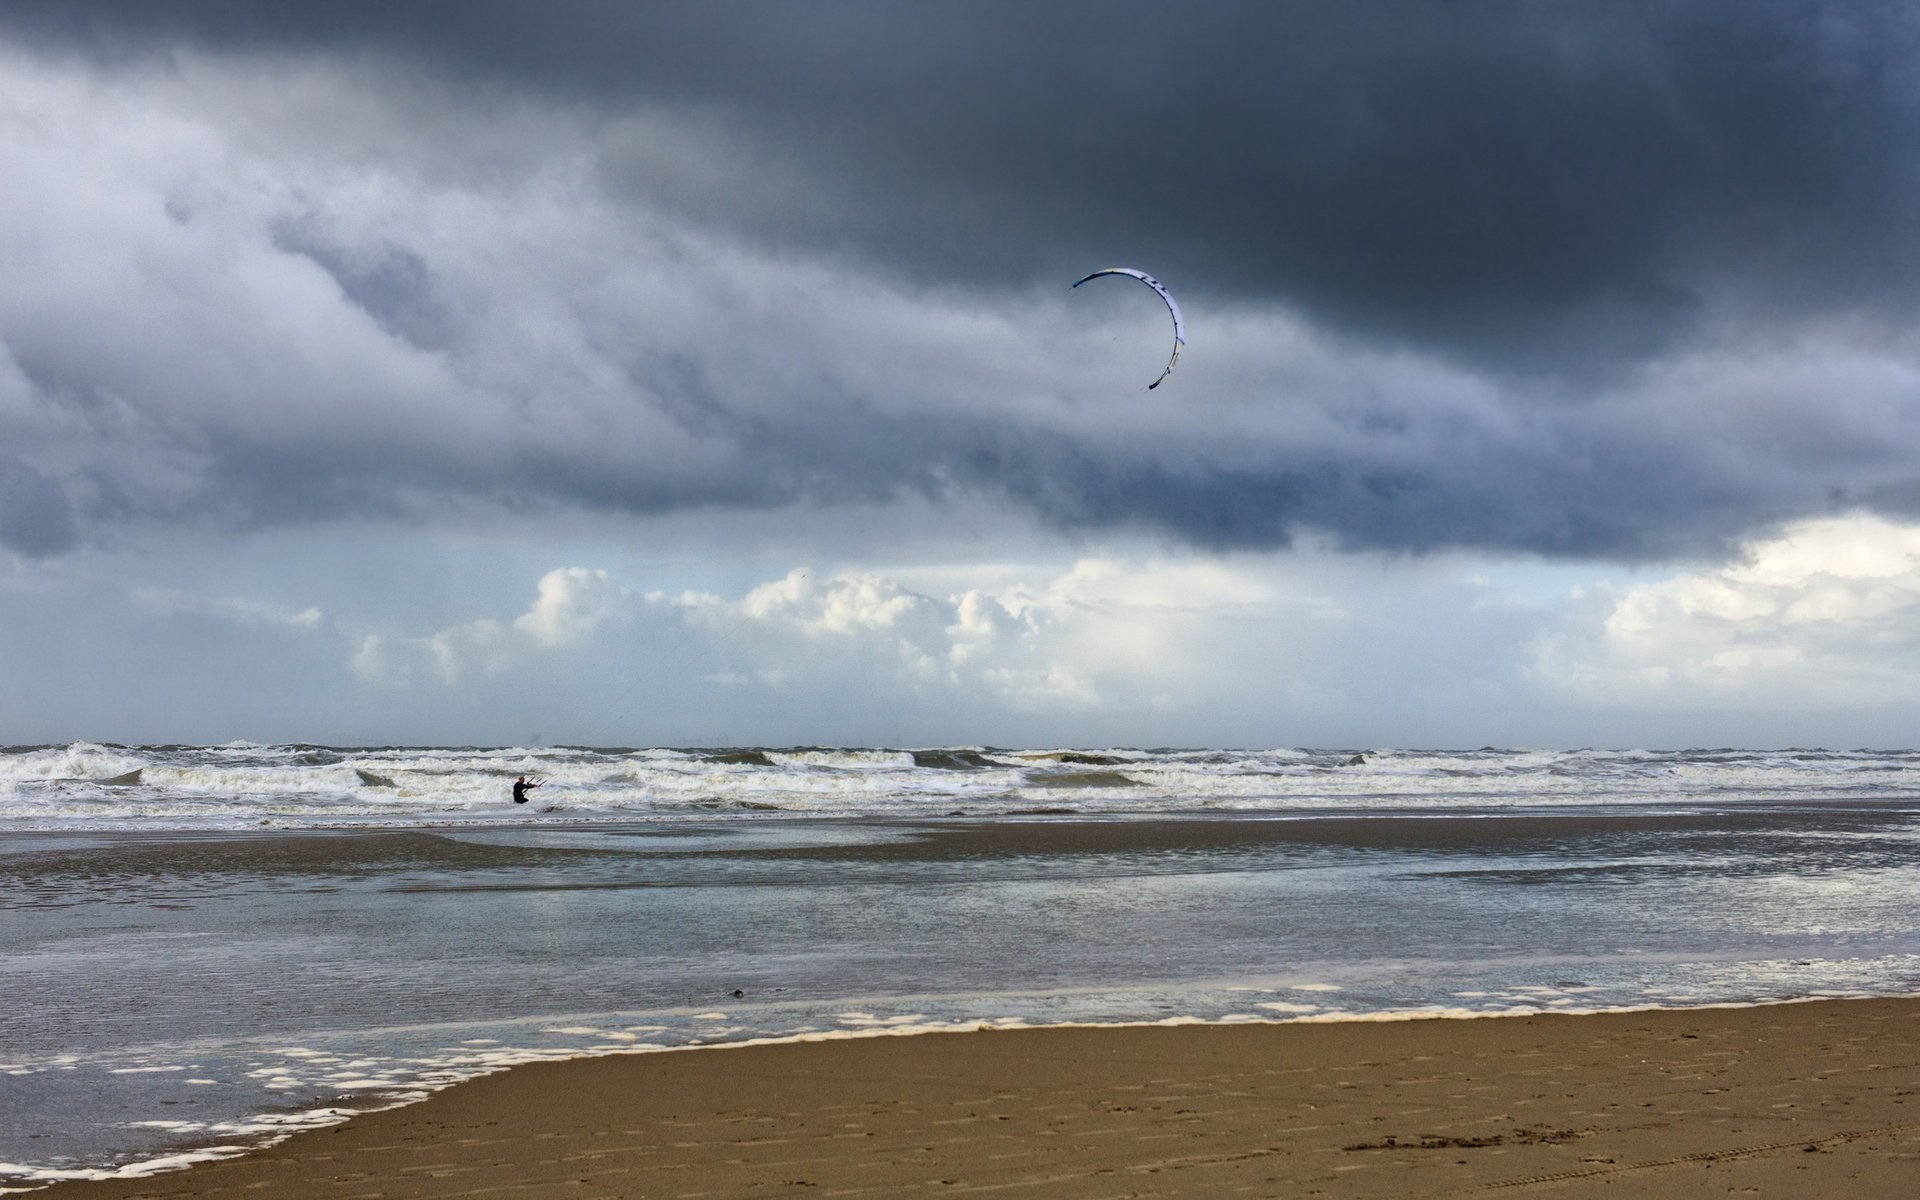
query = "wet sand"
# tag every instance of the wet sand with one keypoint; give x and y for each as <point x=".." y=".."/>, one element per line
<point x="1801" y="1100"/>
<point x="41" y="869"/>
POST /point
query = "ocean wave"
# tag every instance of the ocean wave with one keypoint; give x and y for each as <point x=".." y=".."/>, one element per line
<point x="93" y="784"/>
<point x="1084" y="779"/>
<point x="952" y="760"/>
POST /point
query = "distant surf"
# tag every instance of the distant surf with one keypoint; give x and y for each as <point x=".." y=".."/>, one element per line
<point x="88" y="785"/>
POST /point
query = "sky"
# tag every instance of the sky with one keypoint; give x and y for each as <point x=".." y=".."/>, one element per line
<point x="691" y="374"/>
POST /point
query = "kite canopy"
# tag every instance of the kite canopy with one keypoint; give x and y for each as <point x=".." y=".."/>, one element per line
<point x="1179" y="326"/>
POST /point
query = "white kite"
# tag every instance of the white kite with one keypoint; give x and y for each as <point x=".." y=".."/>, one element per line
<point x="1179" y="326"/>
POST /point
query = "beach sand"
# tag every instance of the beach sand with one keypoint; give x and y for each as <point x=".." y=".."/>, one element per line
<point x="1818" y="1099"/>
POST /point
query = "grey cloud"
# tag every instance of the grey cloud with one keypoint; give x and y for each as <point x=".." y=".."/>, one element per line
<point x="36" y="517"/>
<point x="1622" y="506"/>
<point x="1591" y="214"/>
<point x="1542" y="186"/>
<point x="390" y="283"/>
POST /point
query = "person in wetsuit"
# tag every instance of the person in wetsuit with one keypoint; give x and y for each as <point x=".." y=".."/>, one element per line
<point x="521" y="787"/>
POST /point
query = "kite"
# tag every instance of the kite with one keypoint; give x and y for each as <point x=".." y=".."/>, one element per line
<point x="1179" y="326"/>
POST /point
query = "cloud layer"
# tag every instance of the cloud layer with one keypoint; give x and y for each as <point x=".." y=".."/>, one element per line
<point x="698" y="373"/>
<point x="1822" y="617"/>
<point x="1628" y="284"/>
<point x="1515" y="179"/>
<point x="1102" y="634"/>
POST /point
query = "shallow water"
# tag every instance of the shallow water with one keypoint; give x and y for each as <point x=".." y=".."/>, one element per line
<point x="178" y="987"/>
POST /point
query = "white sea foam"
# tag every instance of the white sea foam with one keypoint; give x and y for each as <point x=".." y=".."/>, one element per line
<point x="87" y="785"/>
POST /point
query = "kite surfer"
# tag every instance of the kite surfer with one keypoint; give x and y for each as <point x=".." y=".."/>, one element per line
<point x="522" y="786"/>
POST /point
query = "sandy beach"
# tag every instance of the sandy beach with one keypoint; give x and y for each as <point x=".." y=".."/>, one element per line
<point x="1817" y="1099"/>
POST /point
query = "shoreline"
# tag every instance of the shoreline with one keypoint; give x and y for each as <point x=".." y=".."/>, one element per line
<point x="1827" y="1089"/>
<point x="271" y="1128"/>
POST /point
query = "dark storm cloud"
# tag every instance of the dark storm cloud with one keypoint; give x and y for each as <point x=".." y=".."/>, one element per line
<point x="1538" y="250"/>
<point x="1492" y="501"/>
<point x="1527" y="184"/>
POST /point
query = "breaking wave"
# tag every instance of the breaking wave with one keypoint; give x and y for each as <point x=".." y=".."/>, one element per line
<point x="92" y="785"/>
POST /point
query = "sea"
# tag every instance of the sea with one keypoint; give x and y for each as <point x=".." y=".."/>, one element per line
<point x="204" y="948"/>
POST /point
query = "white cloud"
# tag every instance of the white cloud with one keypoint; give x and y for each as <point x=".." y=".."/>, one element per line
<point x="961" y="641"/>
<point x="1827" y="613"/>
<point x="1100" y="631"/>
<point x="239" y="610"/>
<point x="573" y="602"/>
<point x="570" y="605"/>
<point x="1103" y="632"/>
